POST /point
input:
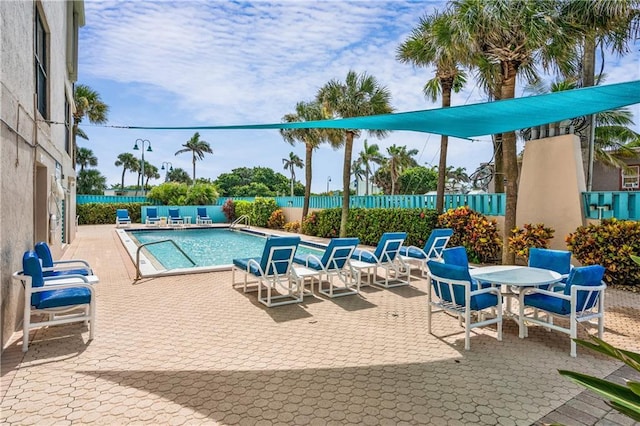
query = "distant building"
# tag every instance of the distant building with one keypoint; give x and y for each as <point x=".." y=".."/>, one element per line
<point x="37" y="187"/>
<point x="607" y="178"/>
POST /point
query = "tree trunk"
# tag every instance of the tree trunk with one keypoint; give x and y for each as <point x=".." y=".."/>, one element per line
<point x="194" y="169"/>
<point x="366" y="181"/>
<point x="446" y="85"/>
<point x="510" y="160"/>
<point x="292" y="180"/>
<point x="588" y="80"/>
<point x="498" y="165"/>
<point x="124" y="169"/>
<point x="307" y="176"/>
<point x="346" y="180"/>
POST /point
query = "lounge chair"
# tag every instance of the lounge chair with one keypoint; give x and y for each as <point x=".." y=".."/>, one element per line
<point x="52" y="268"/>
<point x="386" y="256"/>
<point x="273" y="272"/>
<point x="432" y="250"/>
<point x="581" y="299"/>
<point x="174" y="217"/>
<point x="202" y="218"/>
<point x="63" y="299"/>
<point x="457" y="294"/>
<point x="335" y="263"/>
<point x="122" y="218"/>
<point x="152" y="216"/>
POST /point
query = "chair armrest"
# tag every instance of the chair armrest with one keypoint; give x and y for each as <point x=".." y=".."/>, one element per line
<point x="495" y="290"/>
<point x="314" y="257"/>
<point x="549" y="293"/>
<point x="51" y="280"/>
<point x="359" y="254"/>
<point x="253" y="261"/>
<point x="71" y="261"/>
<point x="63" y="286"/>
<point x="416" y="248"/>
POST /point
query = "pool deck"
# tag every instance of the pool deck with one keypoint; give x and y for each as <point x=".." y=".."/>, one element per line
<point x="192" y="350"/>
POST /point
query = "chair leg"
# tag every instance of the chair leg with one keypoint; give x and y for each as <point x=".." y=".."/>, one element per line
<point x="25" y="326"/>
<point x="467" y="329"/>
<point x="573" y="330"/>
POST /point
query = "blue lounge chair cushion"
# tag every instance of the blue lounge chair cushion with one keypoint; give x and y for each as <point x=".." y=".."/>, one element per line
<point x="459" y="273"/>
<point x="202" y="213"/>
<point x="64" y="297"/>
<point x="44" y="254"/>
<point x="280" y="256"/>
<point x="175" y="214"/>
<point x="341" y="246"/>
<point x="244" y="265"/>
<point x="437" y="240"/>
<point x="391" y="249"/>
<point x="308" y="261"/>
<point x="585" y="276"/>
<point x="412" y="252"/>
<point x="456" y="256"/>
<point x="123" y="215"/>
<point x="152" y="213"/>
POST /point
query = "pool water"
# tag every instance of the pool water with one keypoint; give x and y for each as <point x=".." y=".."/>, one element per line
<point x="206" y="247"/>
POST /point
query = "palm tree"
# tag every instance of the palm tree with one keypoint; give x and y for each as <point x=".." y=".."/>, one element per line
<point x="399" y="159"/>
<point x="358" y="95"/>
<point x="290" y="164"/>
<point x="197" y="148"/>
<point x="85" y="158"/>
<point x="178" y="175"/>
<point x="517" y="36"/>
<point x="369" y="155"/>
<point x="432" y="43"/>
<point x="358" y="172"/>
<point x="599" y="23"/>
<point x="456" y="177"/>
<point x="88" y="104"/>
<point x="127" y="161"/>
<point x="312" y="138"/>
<point x="150" y="171"/>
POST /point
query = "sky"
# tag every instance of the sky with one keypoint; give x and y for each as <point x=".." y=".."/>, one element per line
<point x="200" y="63"/>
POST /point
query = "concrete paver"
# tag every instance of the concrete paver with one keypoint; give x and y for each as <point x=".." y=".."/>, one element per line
<point x="192" y="350"/>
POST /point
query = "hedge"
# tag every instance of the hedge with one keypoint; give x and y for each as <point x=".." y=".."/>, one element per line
<point x="101" y="213"/>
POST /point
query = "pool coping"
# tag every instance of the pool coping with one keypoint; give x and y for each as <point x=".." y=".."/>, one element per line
<point x="147" y="262"/>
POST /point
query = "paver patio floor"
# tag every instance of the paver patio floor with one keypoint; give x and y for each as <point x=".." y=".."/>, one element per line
<point x="192" y="350"/>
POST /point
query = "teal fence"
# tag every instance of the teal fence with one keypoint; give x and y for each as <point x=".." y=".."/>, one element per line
<point x="605" y="205"/>
<point x="111" y="199"/>
<point x="214" y="212"/>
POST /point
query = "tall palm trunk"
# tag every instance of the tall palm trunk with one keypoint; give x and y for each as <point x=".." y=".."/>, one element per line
<point x="346" y="180"/>
<point x="124" y="170"/>
<point x="293" y="176"/>
<point x="510" y="160"/>
<point x="367" y="172"/>
<point x="307" y="176"/>
<point x="194" y="167"/>
<point x="446" y="84"/>
<point x="498" y="162"/>
<point x="588" y="80"/>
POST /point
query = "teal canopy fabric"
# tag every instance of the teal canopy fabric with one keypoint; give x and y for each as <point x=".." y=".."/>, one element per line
<point x="478" y="119"/>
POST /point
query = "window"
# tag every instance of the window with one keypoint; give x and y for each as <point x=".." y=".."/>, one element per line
<point x="67" y="125"/>
<point x="630" y="177"/>
<point x="40" y="49"/>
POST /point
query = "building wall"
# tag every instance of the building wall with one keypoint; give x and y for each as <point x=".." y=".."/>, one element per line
<point x="36" y="171"/>
<point x="607" y="178"/>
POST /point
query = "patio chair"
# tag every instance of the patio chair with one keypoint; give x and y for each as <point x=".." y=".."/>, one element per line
<point x="202" y="218"/>
<point x="457" y="294"/>
<point x="174" y="217"/>
<point x="581" y="300"/>
<point x="152" y="216"/>
<point x="52" y="268"/>
<point x="432" y="250"/>
<point x="63" y="299"/>
<point x="273" y="272"/>
<point x="122" y="218"/>
<point x="386" y="256"/>
<point x="553" y="260"/>
<point x="333" y="264"/>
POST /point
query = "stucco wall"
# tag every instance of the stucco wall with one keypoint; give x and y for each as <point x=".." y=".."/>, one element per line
<point x="30" y="146"/>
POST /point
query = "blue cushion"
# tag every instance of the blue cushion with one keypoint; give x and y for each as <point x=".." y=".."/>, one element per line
<point x="202" y="212"/>
<point x="244" y="264"/>
<point x="460" y="273"/>
<point x="412" y="252"/>
<point x="280" y="255"/>
<point x="364" y="256"/>
<point x="152" y="212"/>
<point x="341" y="248"/>
<point x="456" y="256"/>
<point x="174" y="213"/>
<point x="122" y="214"/>
<point x="31" y="266"/>
<point x="44" y="253"/>
<point x="64" y="297"/>
<point x="546" y="303"/>
<point x="307" y="260"/>
<point x="66" y="272"/>
<point x="554" y="260"/>
<point x="441" y="243"/>
<point x="392" y="248"/>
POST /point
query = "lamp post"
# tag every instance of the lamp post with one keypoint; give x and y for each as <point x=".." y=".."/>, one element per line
<point x="135" y="148"/>
<point x="168" y="169"/>
<point x="328" y="182"/>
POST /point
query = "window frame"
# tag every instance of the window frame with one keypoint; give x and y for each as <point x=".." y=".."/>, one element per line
<point x="633" y="178"/>
<point x="41" y="58"/>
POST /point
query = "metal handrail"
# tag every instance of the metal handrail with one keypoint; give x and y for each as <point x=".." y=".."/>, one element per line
<point x="139" y="273"/>
<point x="240" y="219"/>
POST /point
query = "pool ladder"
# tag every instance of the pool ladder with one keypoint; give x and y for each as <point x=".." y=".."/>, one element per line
<point x="244" y="218"/>
<point x="139" y="273"/>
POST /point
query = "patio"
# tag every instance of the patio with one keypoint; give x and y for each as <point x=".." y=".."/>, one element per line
<point x="191" y="349"/>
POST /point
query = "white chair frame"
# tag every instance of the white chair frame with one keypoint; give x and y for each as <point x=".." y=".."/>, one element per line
<point x="394" y="268"/>
<point x="288" y="283"/>
<point x="350" y="284"/>
<point x="58" y="315"/>
<point x="463" y="312"/>
<point x="575" y="317"/>
<point x="435" y="253"/>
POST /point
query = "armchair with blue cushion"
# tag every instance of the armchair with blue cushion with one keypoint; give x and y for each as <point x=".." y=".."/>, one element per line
<point x="122" y="218"/>
<point x="52" y="267"/>
<point x="432" y="250"/>
<point x="335" y="262"/>
<point x="457" y="294"/>
<point x="174" y="217"/>
<point x="581" y="300"/>
<point x="272" y="272"/>
<point x="386" y="256"/>
<point x="202" y="218"/>
<point x="63" y="299"/>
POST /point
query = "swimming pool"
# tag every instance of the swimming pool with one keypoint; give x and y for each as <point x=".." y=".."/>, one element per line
<point x="206" y="247"/>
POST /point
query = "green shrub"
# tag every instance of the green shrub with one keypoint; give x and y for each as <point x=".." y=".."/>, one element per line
<point x="200" y="194"/>
<point x="170" y="193"/>
<point x="521" y="240"/>
<point x="262" y="210"/>
<point x="229" y="210"/>
<point x="243" y="208"/>
<point x="474" y="231"/>
<point x="610" y="244"/>
<point x="276" y="220"/>
<point x="101" y="213"/>
<point x="292" y="226"/>
<point x="369" y="224"/>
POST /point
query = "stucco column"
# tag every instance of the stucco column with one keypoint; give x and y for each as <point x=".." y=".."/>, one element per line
<point x="551" y="185"/>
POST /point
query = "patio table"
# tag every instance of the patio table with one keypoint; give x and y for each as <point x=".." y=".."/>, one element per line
<point x="515" y="279"/>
